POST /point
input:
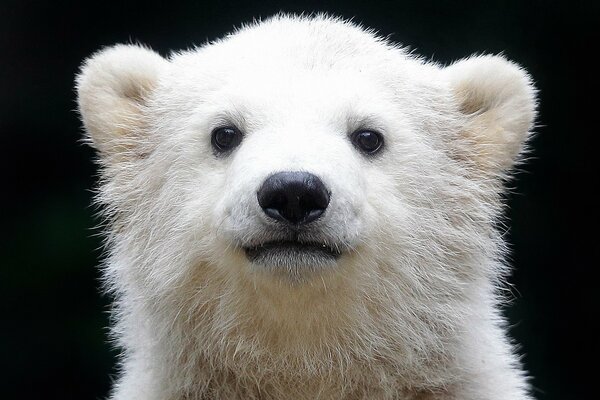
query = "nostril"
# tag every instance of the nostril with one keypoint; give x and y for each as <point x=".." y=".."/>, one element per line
<point x="273" y="213"/>
<point x="294" y="197"/>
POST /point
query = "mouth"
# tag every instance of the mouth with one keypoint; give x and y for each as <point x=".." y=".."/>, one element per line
<point x="292" y="254"/>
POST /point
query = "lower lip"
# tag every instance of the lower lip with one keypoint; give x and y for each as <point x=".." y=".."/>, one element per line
<point x="292" y="254"/>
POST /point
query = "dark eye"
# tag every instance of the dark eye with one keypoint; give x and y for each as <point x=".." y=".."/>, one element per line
<point x="225" y="139"/>
<point x="369" y="142"/>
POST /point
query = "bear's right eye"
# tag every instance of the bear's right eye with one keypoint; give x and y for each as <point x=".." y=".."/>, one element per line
<point x="225" y="139"/>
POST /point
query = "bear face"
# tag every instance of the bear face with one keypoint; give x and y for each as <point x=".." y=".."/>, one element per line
<point x="303" y="193"/>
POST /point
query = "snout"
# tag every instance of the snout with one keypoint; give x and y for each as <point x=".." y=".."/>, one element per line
<point x="292" y="200"/>
<point x="293" y="197"/>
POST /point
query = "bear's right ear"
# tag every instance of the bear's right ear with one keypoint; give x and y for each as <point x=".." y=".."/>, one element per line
<point x="112" y="91"/>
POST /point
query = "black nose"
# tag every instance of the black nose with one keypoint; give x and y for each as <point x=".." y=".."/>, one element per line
<point x="293" y="197"/>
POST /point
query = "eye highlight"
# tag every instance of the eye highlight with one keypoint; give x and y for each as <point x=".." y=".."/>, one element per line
<point x="367" y="141"/>
<point x="225" y="139"/>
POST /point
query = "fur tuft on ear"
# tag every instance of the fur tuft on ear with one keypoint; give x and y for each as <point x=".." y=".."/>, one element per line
<point x="498" y="101"/>
<point x="112" y="87"/>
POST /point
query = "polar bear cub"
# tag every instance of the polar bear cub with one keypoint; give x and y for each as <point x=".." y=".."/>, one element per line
<point x="304" y="210"/>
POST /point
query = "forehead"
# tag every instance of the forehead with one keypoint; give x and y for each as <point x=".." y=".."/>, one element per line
<point x="287" y="68"/>
<point x="295" y="87"/>
<point x="284" y="86"/>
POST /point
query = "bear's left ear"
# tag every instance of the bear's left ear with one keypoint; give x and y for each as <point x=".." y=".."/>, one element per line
<point x="498" y="101"/>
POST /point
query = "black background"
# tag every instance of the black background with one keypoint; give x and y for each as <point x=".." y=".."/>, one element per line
<point x="53" y="337"/>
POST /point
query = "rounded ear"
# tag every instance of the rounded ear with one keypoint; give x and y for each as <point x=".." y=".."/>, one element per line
<point x="112" y="89"/>
<point x="498" y="101"/>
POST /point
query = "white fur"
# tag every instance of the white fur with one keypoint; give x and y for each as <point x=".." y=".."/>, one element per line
<point x="411" y="308"/>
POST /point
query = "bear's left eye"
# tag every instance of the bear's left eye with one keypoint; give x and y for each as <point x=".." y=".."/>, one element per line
<point x="225" y="139"/>
<point x="369" y="142"/>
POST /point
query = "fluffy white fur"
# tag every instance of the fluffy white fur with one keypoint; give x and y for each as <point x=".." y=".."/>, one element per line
<point x="411" y="308"/>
